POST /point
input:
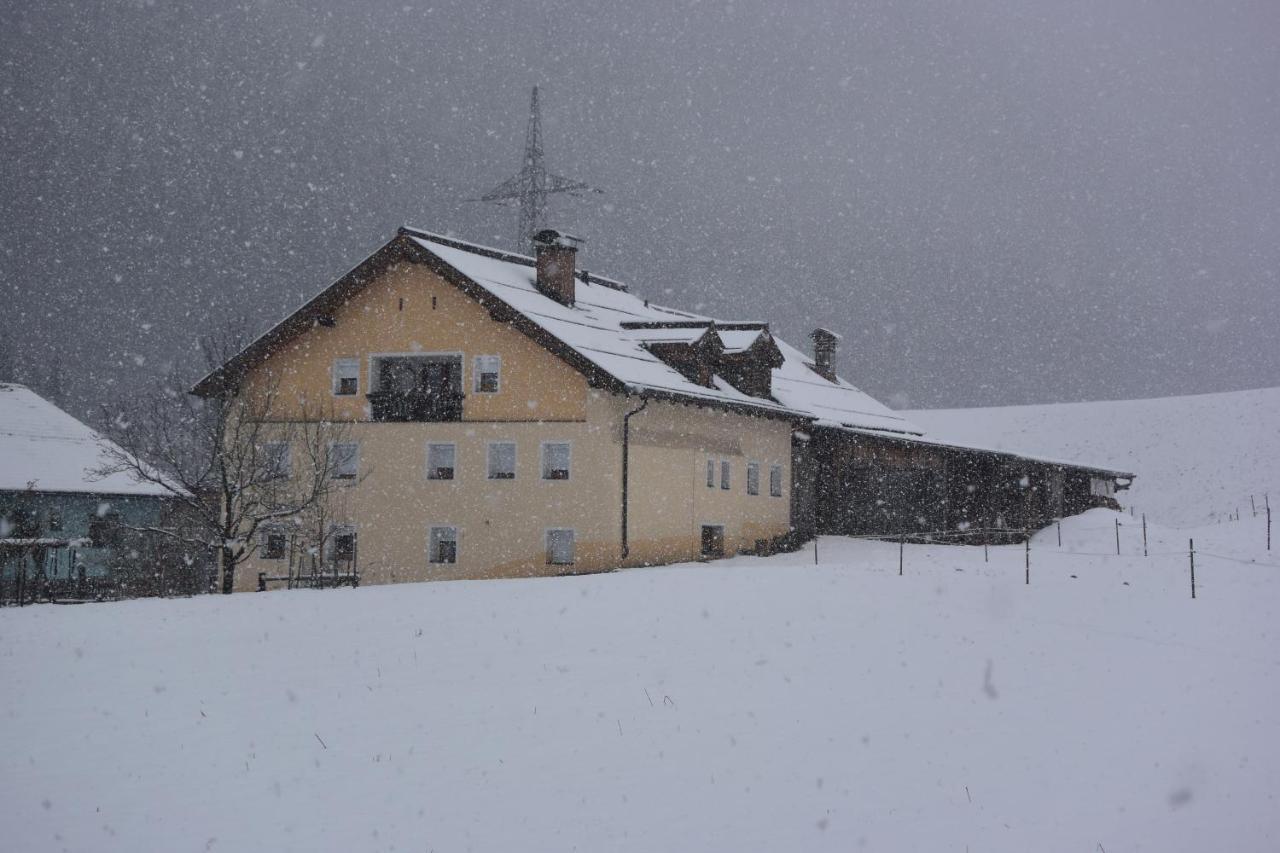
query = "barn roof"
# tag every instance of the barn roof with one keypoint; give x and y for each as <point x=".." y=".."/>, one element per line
<point x="45" y="449"/>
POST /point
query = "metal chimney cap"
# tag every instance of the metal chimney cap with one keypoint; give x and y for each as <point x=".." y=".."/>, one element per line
<point x="819" y="333"/>
<point x="552" y="237"/>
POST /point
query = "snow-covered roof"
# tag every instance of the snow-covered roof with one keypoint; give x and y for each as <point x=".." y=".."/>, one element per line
<point x="1001" y="430"/>
<point x="44" y="448"/>
<point x="603" y="326"/>
<point x="837" y="404"/>
<point x="593" y="326"/>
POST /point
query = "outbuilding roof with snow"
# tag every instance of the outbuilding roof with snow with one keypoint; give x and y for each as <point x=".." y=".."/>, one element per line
<point x="44" y="449"/>
<point x="608" y="333"/>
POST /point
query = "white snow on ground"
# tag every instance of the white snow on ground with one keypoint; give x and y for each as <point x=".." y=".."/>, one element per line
<point x="749" y="704"/>
<point x="1197" y="458"/>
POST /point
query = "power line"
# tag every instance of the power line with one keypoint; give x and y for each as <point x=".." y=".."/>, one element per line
<point x="531" y="187"/>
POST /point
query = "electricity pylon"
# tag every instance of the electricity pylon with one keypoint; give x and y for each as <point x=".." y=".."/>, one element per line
<point x="534" y="183"/>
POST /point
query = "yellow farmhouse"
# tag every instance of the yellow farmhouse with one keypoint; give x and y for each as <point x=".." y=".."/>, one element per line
<point x="509" y="416"/>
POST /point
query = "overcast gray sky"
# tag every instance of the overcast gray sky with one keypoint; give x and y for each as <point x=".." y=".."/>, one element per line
<point x="995" y="201"/>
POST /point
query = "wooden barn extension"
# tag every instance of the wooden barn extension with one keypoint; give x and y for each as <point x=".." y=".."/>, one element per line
<point x="864" y="483"/>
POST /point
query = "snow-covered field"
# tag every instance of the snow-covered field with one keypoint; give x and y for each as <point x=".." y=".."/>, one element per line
<point x="749" y="704"/>
<point x="752" y="704"/>
<point x="1197" y="458"/>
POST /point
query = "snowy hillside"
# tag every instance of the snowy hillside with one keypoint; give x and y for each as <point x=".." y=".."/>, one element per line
<point x="1197" y="458"/>
<point x="751" y="704"/>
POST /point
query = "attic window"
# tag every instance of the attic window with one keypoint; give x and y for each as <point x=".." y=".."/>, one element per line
<point x="487" y="373"/>
<point x="346" y="377"/>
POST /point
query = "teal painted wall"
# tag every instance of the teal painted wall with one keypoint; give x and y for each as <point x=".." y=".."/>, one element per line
<point x="71" y="516"/>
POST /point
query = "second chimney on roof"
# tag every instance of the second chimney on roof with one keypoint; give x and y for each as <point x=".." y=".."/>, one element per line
<point x="556" y="255"/>
<point x="825" y="344"/>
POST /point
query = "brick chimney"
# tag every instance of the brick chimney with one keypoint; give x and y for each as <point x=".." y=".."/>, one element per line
<point x="825" y="344"/>
<point x="556" y="255"/>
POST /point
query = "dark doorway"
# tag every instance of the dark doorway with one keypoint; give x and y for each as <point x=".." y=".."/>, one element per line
<point x="712" y="541"/>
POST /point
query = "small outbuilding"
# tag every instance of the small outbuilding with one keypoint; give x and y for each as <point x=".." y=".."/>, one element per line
<point x="62" y="528"/>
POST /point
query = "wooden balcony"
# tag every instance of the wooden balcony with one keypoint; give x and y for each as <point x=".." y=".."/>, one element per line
<point x="416" y="406"/>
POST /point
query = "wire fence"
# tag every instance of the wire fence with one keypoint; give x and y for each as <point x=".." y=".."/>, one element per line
<point x="1123" y="532"/>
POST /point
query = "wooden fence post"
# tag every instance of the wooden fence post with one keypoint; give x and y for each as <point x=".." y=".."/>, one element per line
<point x="1028" y="581"/>
<point x="902" y="541"/>
<point x="1117" y="537"/>
<point x="1191" y="547"/>
<point x="1144" y="534"/>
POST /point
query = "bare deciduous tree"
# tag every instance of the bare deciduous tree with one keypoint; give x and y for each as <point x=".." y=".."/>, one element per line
<point x="230" y="463"/>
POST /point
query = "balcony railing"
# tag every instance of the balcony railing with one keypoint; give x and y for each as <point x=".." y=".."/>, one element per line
<point x="416" y="406"/>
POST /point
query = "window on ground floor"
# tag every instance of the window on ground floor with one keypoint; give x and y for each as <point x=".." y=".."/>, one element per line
<point x="560" y="547"/>
<point x="753" y="478"/>
<point x="272" y="543"/>
<point x="443" y="545"/>
<point x="342" y="544"/>
<point x="775" y="481"/>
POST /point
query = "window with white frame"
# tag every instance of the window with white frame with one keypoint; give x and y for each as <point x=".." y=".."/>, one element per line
<point x="555" y="460"/>
<point x="344" y="460"/>
<point x="443" y="545"/>
<point x="560" y="547"/>
<point x="276" y="463"/>
<point x="753" y="478"/>
<point x="775" y="481"/>
<point x="488" y="370"/>
<point x="502" y="460"/>
<point x="342" y="544"/>
<point x="440" y="460"/>
<point x="711" y="473"/>
<point x="724" y="473"/>
<point x="272" y="543"/>
<point x="346" y="377"/>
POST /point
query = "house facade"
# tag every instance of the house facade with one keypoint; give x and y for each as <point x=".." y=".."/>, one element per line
<point x="512" y="416"/>
<point x="499" y="431"/>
